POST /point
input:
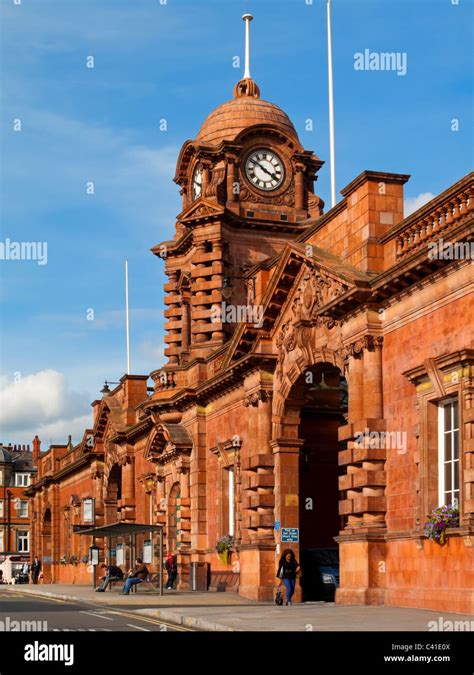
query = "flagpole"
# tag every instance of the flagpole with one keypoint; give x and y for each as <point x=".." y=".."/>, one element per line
<point x="247" y="18"/>
<point x="127" y="321"/>
<point x="331" y="110"/>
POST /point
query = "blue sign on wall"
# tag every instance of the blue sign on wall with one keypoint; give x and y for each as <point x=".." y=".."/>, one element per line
<point x="277" y="525"/>
<point x="290" y="534"/>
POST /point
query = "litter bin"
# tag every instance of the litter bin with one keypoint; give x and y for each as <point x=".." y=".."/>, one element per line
<point x="199" y="576"/>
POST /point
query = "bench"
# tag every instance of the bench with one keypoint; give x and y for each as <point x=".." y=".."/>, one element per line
<point x="224" y="582"/>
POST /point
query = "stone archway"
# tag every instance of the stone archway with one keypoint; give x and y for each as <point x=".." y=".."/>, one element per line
<point x="306" y="461"/>
<point x="362" y="501"/>
<point x="113" y="493"/>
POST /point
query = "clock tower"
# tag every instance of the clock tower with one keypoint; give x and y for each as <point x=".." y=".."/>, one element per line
<point x="247" y="188"/>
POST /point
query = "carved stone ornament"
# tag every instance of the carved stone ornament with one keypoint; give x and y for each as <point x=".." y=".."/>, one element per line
<point x="367" y="342"/>
<point x="254" y="398"/>
<point x="285" y="199"/>
<point x="326" y="322"/>
<point x="317" y="289"/>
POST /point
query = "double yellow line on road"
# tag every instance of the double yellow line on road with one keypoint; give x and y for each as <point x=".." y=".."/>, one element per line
<point x="129" y="615"/>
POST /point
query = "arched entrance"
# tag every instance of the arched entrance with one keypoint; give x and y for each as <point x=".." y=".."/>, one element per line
<point x="117" y="551"/>
<point x="113" y="496"/>
<point x="317" y="407"/>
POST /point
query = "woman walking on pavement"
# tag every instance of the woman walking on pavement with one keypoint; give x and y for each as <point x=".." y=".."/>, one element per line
<point x="288" y="569"/>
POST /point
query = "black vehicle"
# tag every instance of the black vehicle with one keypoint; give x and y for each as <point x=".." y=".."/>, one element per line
<point x="320" y="573"/>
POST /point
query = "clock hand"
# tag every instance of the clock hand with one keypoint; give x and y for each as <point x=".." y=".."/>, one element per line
<point x="266" y="170"/>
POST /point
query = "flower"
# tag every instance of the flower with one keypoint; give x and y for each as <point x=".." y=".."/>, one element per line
<point x="441" y="518"/>
<point x="224" y="543"/>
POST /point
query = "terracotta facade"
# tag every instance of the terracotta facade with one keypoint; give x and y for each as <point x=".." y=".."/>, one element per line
<point x="290" y="332"/>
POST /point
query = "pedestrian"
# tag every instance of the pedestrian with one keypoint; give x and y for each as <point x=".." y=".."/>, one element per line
<point x="25" y="573"/>
<point x="112" y="573"/>
<point x="288" y="570"/>
<point x="35" y="569"/>
<point x="171" y="566"/>
<point x="138" y="574"/>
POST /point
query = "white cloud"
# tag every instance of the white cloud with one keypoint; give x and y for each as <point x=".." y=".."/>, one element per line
<point x="155" y="353"/>
<point x="42" y="402"/>
<point x="412" y="204"/>
<point x="58" y="432"/>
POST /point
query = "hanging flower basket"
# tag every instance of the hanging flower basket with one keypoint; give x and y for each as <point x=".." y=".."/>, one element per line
<point x="224" y="545"/>
<point x="441" y="518"/>
<point x="69" y="560"/>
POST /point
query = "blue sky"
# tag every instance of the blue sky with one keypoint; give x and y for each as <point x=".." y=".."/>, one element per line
<point x="152" y="61"/>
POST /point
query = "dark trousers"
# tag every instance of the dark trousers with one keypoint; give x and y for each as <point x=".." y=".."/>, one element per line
<point x="171" y="579"/>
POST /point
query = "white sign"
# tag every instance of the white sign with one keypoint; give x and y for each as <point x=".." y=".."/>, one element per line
<point x="88" y="511"/>
<point x="119" y="557"/>
<point x="147" y="552"/>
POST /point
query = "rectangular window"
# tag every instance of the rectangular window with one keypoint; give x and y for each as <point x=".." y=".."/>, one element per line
<point x="22" y="479"/>
<point x="231" y="501"/>
<point x="1" y="508"/>
<point x="1" y="476"/>
<point x="448" y="453"/>
<point x="23" y="508"/>
<point x="2" y="540"/>
<point x="23" y="541"/>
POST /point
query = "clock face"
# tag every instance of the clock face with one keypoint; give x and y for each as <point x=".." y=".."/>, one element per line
<point x="264" y="169"/>
<point x="197" y="183"/>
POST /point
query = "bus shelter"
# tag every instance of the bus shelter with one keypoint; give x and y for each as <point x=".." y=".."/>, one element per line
<point x="121" y="545"/>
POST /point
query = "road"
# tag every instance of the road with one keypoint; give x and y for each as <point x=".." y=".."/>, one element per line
<point x="67" y="616"/>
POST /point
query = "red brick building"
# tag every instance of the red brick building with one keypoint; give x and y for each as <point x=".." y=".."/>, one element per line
<point x="16" y="471"/>
<point x="319" y="375"/>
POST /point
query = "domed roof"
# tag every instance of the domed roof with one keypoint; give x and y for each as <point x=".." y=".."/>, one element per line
<point x="247" y="109"/>
<point x="5" y="457"/>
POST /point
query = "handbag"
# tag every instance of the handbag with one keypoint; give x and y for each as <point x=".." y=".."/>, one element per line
<point x="278" y="598"/>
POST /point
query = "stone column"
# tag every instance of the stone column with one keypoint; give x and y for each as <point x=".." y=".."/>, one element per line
<point x="363" y="501"/>
<point x="299" y="186"/>
<point x="257" y="545"/>
<point x="286" y="452"/>
<point x="232" y="180"/>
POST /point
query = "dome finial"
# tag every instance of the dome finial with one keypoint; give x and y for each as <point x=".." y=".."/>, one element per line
<point x="246" y="86"/>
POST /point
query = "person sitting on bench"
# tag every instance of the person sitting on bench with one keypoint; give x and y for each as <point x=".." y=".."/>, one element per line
<point x="112" y="573"/>
<point x="136" y="576"/>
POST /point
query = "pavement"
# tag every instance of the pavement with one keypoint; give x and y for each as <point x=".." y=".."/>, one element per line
<point x="210" y="611"/>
